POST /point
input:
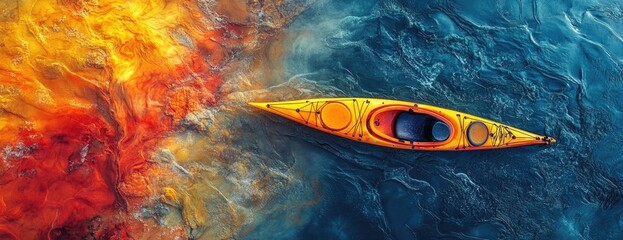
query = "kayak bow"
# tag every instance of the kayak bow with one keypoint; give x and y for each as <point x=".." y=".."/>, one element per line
<point x="404" y="125"/>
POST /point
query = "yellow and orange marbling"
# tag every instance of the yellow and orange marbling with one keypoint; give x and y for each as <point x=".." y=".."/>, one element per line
<point x="91" y="90"/>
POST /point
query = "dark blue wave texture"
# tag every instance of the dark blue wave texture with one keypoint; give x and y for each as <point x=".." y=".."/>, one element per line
<point x="549" y="67"/>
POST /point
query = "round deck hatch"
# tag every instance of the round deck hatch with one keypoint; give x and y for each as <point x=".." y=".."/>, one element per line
<point x="440" y="131"/>
<point x="335" y="116"/>
<point x="477" y="133"/>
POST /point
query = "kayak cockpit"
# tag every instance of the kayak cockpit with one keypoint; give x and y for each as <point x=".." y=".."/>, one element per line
<point x="407" y="125"/>
<point x="418" y="127"/>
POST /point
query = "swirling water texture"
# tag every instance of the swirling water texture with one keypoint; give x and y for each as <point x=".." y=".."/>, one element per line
<point x="199" y="164"/>
<point x="552" y="67"/>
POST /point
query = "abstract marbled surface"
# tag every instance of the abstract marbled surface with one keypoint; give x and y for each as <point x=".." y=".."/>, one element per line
<point x="124" y="120"/>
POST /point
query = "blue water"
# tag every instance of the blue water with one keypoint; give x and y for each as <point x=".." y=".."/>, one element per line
<point x="550" y="67"/>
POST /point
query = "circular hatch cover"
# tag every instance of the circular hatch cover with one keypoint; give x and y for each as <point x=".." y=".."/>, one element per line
<point x="335" y="116"/>
<point x="440" y="131"/>
<point x="477" y="133"/>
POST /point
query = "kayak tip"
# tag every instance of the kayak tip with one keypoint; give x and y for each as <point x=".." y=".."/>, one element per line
<point x="549" y="140"/>
<point x="258" y="104"/>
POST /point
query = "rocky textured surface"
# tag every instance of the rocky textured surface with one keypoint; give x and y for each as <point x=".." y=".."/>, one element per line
<point x="127" y="120"/>
<point x="99" y="102"/>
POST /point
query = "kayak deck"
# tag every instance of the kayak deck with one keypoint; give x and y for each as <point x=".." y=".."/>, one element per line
<point x="404" y="125"/>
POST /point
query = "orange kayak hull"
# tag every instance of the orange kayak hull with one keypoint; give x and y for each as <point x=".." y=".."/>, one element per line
<point x="373" y="121"/>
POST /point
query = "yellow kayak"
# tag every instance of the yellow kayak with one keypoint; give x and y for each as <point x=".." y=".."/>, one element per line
<point x="404" y="125"/>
